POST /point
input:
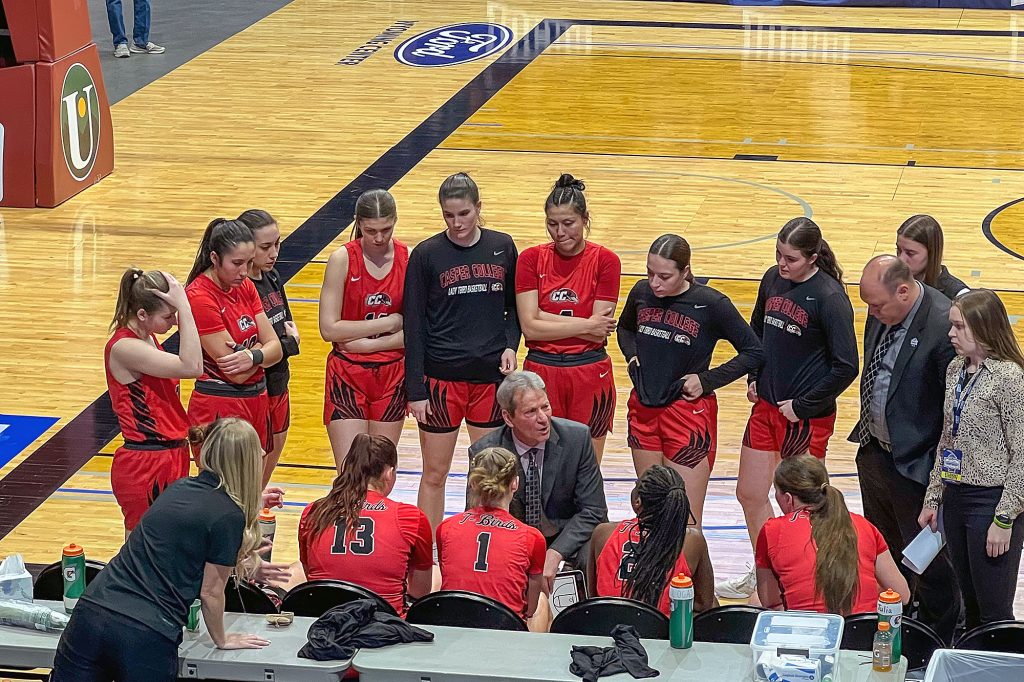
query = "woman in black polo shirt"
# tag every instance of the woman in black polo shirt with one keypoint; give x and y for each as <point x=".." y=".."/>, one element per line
<point x="127" y="625"/>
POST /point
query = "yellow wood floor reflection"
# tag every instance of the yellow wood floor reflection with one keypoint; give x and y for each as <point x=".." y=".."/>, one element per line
<point x="718" y="134"/>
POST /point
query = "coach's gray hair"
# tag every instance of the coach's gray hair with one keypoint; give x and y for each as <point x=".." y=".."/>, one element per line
<point x="514" y="384"/>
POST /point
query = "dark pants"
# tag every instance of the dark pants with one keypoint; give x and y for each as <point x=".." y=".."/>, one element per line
<point x="102" y="646"/>
<point x="892" y="502"/>
<point x="988" y="584"/>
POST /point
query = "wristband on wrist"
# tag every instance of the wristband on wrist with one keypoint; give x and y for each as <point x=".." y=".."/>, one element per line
<point x="1003" y="521"/>
<point x="257" y="356"/>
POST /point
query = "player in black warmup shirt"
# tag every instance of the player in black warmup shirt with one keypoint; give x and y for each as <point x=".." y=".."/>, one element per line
<point x="667" y="332"/>
<point x="919" y="244"/>
<point x="805" y="321"/>
<point x="267" y="237"/>
<point x="461" y="333"/>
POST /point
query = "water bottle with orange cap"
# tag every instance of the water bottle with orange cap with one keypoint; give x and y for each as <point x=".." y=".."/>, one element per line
<point x="268" y="527"/>
<point x="680" y="622"/>
<point x="890" y="610"/>
<point x="72" y="565"/>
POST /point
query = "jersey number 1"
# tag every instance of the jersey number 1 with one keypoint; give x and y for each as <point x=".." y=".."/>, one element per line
<point x="362" y="539"/>
<point x="483" y="545"/>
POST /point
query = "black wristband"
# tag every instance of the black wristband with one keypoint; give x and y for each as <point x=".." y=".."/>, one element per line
<point x="257" y="356"/>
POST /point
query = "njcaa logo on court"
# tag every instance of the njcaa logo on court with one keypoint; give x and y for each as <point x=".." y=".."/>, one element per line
<point x="564" y="296"/>
<point x="454" y="44"/>
<point x="79" y="121"/>
<point x="377" y="300"/>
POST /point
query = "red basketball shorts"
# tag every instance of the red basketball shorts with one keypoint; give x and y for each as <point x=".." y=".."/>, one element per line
<point x="452" y="401"/>
<point x="683" y="432"/>
<point x="768" y="430"/>
<point x="138" y="476"/>
<point x="280" y="412"/>
<point x="582" y="393"/>
<point x="369" y="391"/>
<point x="204" y="408"/>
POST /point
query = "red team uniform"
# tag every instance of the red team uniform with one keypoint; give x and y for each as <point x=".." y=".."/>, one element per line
<point x="155" y="430"/>
<point x="390" y="538"/>
<point x="369" y="386"/>
<point x="488" y="551"/>
<point x="215" y="396"/>
<point x="785" y="546"/>
<point x="577" y="373"/>
<point x="616" y="562"/>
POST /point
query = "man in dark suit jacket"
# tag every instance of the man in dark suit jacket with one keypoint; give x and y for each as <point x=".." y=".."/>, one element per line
<point x="569" y="499"/>
<point x="906" y="352"/>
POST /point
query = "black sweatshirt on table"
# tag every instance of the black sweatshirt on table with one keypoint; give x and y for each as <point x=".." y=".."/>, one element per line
<point x="810" y="348"/>
<point x="275" y="305"/>
<point x="460" y="310"/>
<point x="676" y="335"/>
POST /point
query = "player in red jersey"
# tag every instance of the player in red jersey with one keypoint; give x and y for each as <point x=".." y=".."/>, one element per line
<point x="143" y="383"/>
<point x="266" y="236"/>
<point x="636" y="558"/>
<point x="804" y="319"/>
<point x="487" y="550"/>
<point x="358" y="534"/>
<point x="566" y="292"/>
<point x="361" y="314"/>
<point x="238" y="339"/>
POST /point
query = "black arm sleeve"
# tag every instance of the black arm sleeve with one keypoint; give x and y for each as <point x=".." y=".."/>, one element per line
<point x="748" y="349"/>
<point x="625" y="332"/>
<point x="757" y="324"/>
<point x="414" y="309"/>
<point x="837" y="321"/>
<point x="512" y="329"/>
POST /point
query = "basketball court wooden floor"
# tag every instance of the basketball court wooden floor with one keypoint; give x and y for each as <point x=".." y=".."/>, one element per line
<point x="713" y="122"/>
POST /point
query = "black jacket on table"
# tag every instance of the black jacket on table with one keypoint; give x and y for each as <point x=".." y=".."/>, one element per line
<point x="676" y="335"/>
<point x="460" y="310"/>
<point x="917" y="389"/>
<point x="810" y="348"/>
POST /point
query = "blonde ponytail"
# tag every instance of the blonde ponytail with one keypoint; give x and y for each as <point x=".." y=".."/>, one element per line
<point x="491" y="475"/>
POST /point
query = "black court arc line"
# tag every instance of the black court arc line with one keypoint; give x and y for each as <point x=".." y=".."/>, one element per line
<point x="40" y="474"/>
<point x="986" y="228"/>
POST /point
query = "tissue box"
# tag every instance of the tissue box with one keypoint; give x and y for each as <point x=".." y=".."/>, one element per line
<point x="15" y="580"/>
<point x="815" y="636"/>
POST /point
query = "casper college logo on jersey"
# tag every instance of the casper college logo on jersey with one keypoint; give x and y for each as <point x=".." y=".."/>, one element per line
<point x="564" y="296"/>
<point x="245" y="323"/>
<point x="454" y="44"/>
<point x="79" y="121"/>
<point x="379" y="299"/>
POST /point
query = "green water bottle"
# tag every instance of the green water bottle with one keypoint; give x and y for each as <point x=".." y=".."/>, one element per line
<point x="890" y="610"/>
<point x="193" y="616"/>
<point x="680" y="623"/>
<point x="72" y="565"/>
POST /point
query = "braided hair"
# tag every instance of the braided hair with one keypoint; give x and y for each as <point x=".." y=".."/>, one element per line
<point x="491" y="475"/>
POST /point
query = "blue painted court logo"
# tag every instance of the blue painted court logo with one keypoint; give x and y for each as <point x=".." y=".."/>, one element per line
<point x="454" y="44"/>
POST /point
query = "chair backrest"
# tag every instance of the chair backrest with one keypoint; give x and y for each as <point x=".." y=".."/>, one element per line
<point x="733" y="624"/>
<point x="1004" y="636"/>
<point x="49" y="584"/>
<point x="242" y="596"/>
<point x="598" y="616"/>
<point x="919" y="641"/>
<point x="316" y="597"/>
<point x="459" y="609"/>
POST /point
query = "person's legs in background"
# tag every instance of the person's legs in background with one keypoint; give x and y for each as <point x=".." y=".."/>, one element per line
<point x="140" y="34"/>
<point x="115" y="17"/>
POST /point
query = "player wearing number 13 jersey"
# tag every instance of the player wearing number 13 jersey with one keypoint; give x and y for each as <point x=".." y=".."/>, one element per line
<point x="487" y="550"/>
<point x="361" y="314"/>
<point x="358" y="534"/>
<point x="566" y="292"/>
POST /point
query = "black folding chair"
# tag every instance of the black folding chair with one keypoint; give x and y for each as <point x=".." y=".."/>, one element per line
<point x="732" y="624"/>
<point x="598" y="616"/>
<point x="49" y="584"/>
<point x="243" y="596"/>
<point x="1003" y="636"/>
<point x="919" y="641"/>
<point x="459" y="609"/>
<point x="316" y="597"/>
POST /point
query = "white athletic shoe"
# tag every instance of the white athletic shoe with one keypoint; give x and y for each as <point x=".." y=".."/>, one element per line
<point x="121" y="51"/>
<point x="740" y="587"/>
<point x="150" y="48"/>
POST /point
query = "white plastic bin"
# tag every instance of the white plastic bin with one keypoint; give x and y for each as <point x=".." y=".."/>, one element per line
<point x="964" y="665"/>
<point x="817" y="634"/>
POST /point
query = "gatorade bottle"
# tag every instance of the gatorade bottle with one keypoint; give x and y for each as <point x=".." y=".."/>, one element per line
<point x="881" y="649"/>
<point x="268" y="526"/>
<point x="890" y="610"/>
<point x="680" y="623"/>
<point x="72" y="564"/>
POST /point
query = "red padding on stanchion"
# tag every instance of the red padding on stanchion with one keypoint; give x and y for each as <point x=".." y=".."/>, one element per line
<point x="47" y="30"/>
<point x="74" y="135"/>
<point x="17" y="137"/>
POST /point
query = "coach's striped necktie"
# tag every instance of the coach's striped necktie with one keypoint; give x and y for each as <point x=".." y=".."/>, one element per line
<point x="531" y="491"/>
<point x="868" y="385"/>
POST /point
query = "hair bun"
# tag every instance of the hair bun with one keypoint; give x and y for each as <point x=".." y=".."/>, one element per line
<point x="566" y="180"/>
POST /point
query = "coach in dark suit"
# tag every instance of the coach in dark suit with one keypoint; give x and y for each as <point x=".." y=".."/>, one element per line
<point x="561" y="491"/>
<point x="906" y="352"/>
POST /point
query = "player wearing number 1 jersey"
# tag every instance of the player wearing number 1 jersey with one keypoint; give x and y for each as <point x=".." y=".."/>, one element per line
<point x="357" y="533"/>
<point x="361" y="314"/>
<point x="487" y="550"/>
<point x="565" y="294"/>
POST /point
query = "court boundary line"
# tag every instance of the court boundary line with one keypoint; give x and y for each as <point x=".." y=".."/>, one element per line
<point x="42" y="472"/>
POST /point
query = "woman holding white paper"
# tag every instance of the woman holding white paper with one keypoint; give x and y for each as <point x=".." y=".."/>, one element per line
<point x="979" y="463"/>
